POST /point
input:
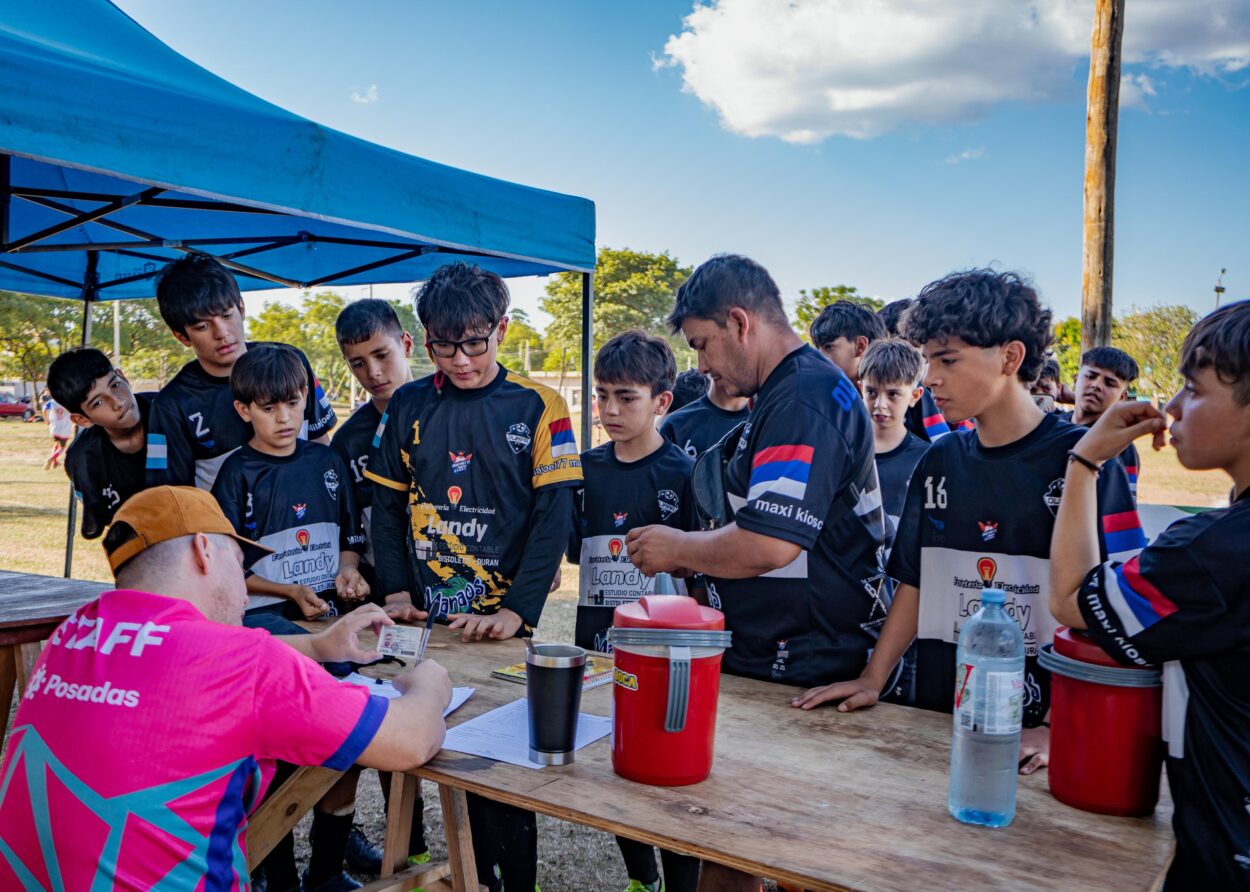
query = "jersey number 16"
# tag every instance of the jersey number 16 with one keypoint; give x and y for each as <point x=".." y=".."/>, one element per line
<point x="935" y="496"/>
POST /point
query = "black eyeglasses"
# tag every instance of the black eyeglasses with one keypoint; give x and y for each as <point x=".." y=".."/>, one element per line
<point x="469" y="346"/>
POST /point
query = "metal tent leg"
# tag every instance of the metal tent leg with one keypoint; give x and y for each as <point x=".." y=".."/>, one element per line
<point x="88" y="298"/>
<point x="588" y="351"/>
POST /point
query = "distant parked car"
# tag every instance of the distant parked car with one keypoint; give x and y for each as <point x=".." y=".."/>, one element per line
<point x="15" y="408"/>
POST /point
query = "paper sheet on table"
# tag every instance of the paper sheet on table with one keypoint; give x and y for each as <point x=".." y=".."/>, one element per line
<point x="503" y="734"/>
<point x="383" y="688"/>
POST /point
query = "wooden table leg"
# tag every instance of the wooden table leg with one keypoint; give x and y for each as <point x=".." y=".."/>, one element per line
<point x="402" y="799"/>
<point x="8" y="683"/>
<point x="27" y="655"/>
<point x="459" y="839"/>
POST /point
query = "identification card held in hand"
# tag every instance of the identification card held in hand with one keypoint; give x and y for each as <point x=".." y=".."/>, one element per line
<point x="401" y="641"/>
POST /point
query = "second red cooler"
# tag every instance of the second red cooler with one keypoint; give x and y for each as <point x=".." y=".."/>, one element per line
<point x="666" y="683"/>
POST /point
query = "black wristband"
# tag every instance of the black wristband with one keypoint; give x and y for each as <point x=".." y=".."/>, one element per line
<point x="1073" y="456"/>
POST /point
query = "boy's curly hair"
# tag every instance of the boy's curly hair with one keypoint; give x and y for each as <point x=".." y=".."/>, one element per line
<point x="983" y="308"/>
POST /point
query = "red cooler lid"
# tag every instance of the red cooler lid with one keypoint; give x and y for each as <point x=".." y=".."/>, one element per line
<point x="667" y="612"/>
<point x="1079" y="646"/>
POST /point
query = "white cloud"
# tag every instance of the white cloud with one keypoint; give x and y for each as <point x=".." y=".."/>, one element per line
<point x="805" y="70"/>
<point x="368" y="97"/>
<point x="1134" y="88"/>
<point x="965" y="155"/>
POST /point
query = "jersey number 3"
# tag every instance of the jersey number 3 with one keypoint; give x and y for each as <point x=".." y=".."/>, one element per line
<point x="935" y="496"/>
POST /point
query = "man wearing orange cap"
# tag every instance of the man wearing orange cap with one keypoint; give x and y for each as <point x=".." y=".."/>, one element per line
<point x="152" y="721"/>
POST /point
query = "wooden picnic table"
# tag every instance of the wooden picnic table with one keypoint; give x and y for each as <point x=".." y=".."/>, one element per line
<point x="31" y="607"/>
<point x="820" y="799"/>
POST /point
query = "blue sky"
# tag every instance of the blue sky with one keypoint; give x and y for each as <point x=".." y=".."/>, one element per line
<point x="965" y="145"/>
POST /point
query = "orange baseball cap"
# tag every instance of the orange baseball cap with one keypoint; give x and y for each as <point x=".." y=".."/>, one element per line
<point x="167" y="512"/>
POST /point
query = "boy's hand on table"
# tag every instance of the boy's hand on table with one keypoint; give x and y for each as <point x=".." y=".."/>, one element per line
<point x="399" y="607"/>
<point x="350" y="585"/>
<point x="501" y="625"/>
<point x="307" y="601"/>
<point x="341" y="642"/>
<point x="427" y="676"/>
<point x="1035" y="748"/>
<point x="857" y="694"/>
<point x="1118" y="427"/>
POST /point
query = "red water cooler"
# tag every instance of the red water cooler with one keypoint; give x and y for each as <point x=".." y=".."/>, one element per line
<point x="1106" y="748"/>
<point x="666" y="683"/>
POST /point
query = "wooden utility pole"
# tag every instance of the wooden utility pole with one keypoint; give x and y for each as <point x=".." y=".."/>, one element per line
<point x="1101" y="119"/>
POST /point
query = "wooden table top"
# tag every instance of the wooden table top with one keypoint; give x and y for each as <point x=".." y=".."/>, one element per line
<point x="826" y="800"/>
<point x="28" y="599"/>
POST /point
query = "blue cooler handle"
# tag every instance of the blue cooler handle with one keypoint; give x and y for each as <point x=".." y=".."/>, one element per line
<point x="678" y="688"/>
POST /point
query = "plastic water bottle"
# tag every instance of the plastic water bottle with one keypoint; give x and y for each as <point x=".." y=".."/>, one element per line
<point x="664" y="584"/>
<point x="989" y="705"/>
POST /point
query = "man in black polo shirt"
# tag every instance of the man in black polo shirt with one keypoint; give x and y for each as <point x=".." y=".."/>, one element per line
<point x="798" y="573"/>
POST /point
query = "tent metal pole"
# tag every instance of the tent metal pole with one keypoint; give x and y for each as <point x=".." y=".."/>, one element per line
<point x="6" y="197"/>
<point x="588" y="349"/>
<point x="88" y="298"/>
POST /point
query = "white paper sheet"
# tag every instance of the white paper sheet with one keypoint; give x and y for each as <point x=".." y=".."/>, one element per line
<point x="383" y="688"/>
<point x="503" y="734"/>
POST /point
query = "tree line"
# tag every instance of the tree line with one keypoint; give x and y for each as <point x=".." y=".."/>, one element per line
<point x="633" y="289"/>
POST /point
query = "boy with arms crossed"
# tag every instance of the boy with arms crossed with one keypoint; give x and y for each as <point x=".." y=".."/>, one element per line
<point x="981" y="505"/>
<point x="479" y="464"/>
<point x="194" y="425"/>
<point x="105" y="462"/>
<point x="1184" y="602"/>
<point x="636" y="479"/>
<point x="1102" y="382"/>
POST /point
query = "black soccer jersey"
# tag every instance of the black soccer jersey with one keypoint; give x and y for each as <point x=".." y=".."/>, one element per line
<point x="1184" y="602"/>
<point x="894" y="470"/>
<point x="299" y="505"/>
<point x="925" y="419"/>
<point x="352" y="440"/>
<point x="803" y="471"/>
<point x="102" y="475"/>
<point x="978" y="516"/>
<point x="617" y="497"/>
<point x="194" y="425"/>
<point x="698" y="426"/>
<point x="471" y="463"/>
<point x="1129" y="459"/>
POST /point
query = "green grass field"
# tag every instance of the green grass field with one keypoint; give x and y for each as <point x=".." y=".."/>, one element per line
<point x="33" y="505"/>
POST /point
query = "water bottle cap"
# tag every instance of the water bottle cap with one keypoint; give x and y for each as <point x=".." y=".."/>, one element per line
<point x="995" y="596"/>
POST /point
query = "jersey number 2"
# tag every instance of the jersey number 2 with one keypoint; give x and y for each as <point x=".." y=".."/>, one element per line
<point x="935" y="496"/>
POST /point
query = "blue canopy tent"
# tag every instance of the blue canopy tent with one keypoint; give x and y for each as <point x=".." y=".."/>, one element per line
<point x="117" y="155"/>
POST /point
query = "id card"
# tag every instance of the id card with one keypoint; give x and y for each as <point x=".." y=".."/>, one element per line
<point x="401" y="641"/>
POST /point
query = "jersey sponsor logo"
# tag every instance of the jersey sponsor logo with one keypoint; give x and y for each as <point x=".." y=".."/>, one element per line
<point x="1054" y="495"/>
<point x="560" y="464"/>
<point x="302" y="537"/>
<point x="614" y="548"/>
<point x="562" y="442"/>
<point x="782" y="470"/>
<point x="742" y="440"/>
<point x="781" y="662"/>
<point x="938" y="525"/>
<point x="619" y="518"/>
<point x="331" y="480"/>
<point x="55" y="686"/>
<point x="989" y="529"/>
<point x="454" y="494"/>
<point x="668" y="502"/>
<point x="461" y="529"/>
<point x="986" y="568"/>
<point x="300" y="509"/>
<point x="460" y="461"/>
<point x="519" y="438"/>
<point x="457" y="595"/>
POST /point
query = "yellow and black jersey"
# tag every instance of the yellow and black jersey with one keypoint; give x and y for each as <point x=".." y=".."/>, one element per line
<point x="472" y="464"/>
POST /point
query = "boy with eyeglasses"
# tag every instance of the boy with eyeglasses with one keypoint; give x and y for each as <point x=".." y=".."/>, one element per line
<point x="480" y="465"/>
